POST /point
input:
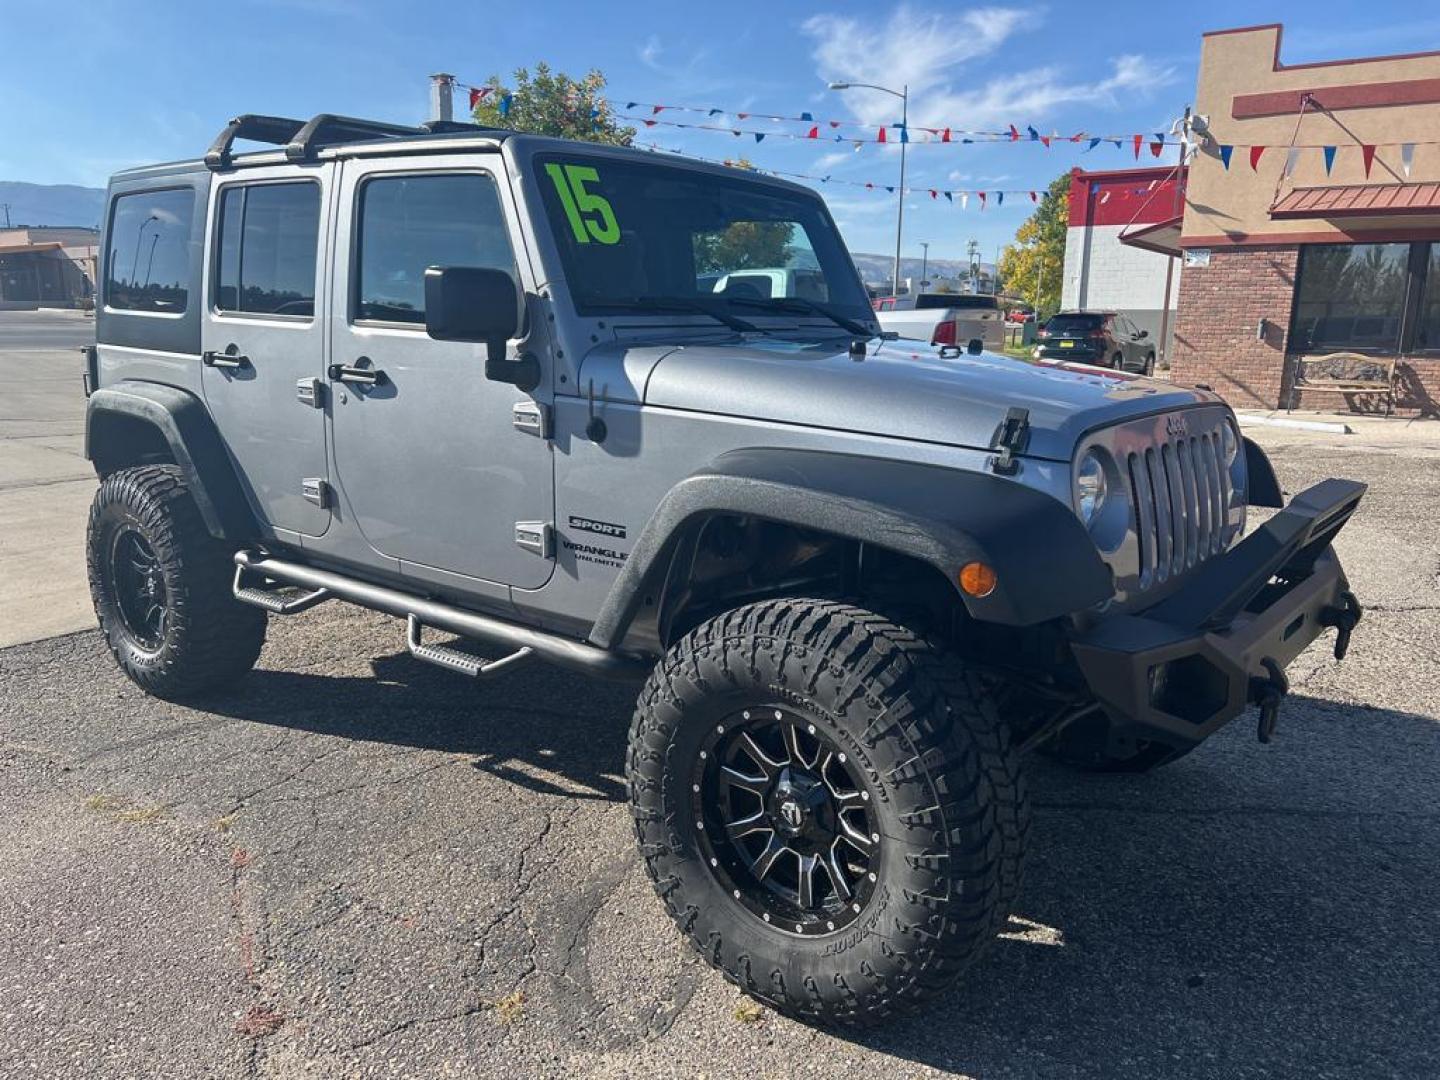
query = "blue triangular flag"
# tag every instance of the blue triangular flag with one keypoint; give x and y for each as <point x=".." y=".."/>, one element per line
<point x="759" y="135"/>
<point x="1034" y="135"/>
<point x="1225" y="152"/>
<point x="716" y="112"/>
<point x="967" y="140"/>
<point x="1329" y="152"/>
<point x="505" y="104"/>
<point x="890" y="189"/>
<point x="1093" y="143"/>
<point x="949" y="196"/>
<point x="904" y="133"/>
<point x="999" y="198"/>
<point x="630" y="105"/>
<point x="807" y="118"/>
<point x="1117" y="143"/>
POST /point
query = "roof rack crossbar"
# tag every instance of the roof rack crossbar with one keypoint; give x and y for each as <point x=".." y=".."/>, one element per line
<point x="327" y="129"/>
<point x="277" y="130"/>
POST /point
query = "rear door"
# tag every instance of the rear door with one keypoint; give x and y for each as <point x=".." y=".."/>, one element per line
<point x="434" y="462"/>
<point x="262" y="341"/>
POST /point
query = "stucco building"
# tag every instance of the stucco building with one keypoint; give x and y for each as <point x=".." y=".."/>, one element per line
<point x="1120" y="252"/>
<point x="1311" y="223"/>
<point x="47" y="266"/>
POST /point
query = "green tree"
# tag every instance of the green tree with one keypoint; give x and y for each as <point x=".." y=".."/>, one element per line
<point x="1033" y="267"/>
<point x="552" y="103"/>
<point x="743" y="245"/>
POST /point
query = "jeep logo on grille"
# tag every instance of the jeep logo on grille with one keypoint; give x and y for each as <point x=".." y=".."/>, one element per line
<point x="1176" y="426"/>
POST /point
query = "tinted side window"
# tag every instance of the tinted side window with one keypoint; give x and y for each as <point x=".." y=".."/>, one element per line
<point x="147" y="266"/>
<point x="408" y="223"/>
<point x="268" y="236"/>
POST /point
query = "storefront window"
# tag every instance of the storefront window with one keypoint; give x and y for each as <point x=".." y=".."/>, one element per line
<point x="1427" y="314"/>
<point x="1351" y="297"/>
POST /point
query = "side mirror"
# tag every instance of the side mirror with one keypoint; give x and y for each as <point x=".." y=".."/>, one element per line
<point x="473" y="303"/>
<point x="1143" y="334"/>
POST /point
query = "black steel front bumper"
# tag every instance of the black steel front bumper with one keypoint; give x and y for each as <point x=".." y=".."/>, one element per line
<point x="1181" y="669"/>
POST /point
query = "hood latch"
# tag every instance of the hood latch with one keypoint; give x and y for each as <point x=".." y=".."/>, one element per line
<point x="1010" y="439"/>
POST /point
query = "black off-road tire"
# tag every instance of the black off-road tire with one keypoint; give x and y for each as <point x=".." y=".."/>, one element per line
<point x="944" y="783"/>
<point x="204" y="638"/>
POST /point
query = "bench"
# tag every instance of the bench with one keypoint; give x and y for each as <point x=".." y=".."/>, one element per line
<point x="1345" y="373"/>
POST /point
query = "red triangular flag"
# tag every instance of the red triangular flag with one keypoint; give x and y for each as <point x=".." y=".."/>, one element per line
<point x="934" y="194"/>
<point x="742" y="116"/>
<point x="474" y="96"/>
<point x="1034" y="197"/>
<point x="945" y="137"/>
<point x="982" y="199"/>
<point x="1156" y="148"/>
<point x="655" y="109"/>
<point x="1138" y="140"/>
<point x="651" y="123"/>
<point x="881" y="136"/>
<point x="1014" y="133"/>
<point x="1255" y="152"/>
<point x="834" y="123"/>
<point x="1367" y="155"/>
<point x="1046" y="140"/>
<point x="814" y="132"/>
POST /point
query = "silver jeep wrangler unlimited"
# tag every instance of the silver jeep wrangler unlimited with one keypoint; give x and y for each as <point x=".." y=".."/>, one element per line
<point x="632" y="415"/>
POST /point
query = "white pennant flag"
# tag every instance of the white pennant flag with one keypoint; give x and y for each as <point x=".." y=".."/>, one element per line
<point x="964" y="199"/>
<point x="1407" y="157"/>
<point x="1290" y="159"/>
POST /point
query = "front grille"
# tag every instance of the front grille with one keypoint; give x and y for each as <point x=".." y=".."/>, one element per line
<point x="1180" y="498"/>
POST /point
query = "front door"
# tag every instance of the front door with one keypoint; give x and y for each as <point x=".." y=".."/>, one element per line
<point x="427" y="452"/>
<point x="263" y="341"/>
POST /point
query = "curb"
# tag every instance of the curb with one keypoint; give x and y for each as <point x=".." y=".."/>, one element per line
<point x="1334" y="428"/>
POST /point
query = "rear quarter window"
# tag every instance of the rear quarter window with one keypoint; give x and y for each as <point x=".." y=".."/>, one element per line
<point x="147" y="261"/>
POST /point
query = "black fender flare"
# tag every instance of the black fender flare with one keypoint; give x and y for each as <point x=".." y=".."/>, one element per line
<point x="187" y="429"/>
<point x="1045" y="562"/>
<point x="1262" y="486"/>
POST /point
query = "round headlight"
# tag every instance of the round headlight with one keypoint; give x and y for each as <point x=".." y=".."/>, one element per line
<point x="1090" y="490"/>
<point x="1229" y="442"/>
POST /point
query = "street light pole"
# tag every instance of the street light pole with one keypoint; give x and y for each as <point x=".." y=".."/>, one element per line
<point x="924" y="261"/>
<point x="904" y="95"/>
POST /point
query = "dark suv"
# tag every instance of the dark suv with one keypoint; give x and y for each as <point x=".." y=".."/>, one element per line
<point x="1103" y="338"/>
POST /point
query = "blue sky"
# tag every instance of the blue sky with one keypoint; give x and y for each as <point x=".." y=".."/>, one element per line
<point x="94" y="85"/>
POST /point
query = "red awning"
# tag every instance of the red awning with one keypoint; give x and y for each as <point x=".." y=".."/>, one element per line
<point x="1359" y="200"/>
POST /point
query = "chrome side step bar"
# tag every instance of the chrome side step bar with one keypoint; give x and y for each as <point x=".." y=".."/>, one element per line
<point x="273" y="603"/>
<point x="563" y="651"/>
<point x="456" y="660"/>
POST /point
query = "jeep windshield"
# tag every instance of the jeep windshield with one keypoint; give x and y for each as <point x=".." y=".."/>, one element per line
<point x="636" y="237"/>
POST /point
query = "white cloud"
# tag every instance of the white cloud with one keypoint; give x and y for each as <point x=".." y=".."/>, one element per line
<point x="649" y="53"/>
<point x="933" y="51"/>
<point x="829" y="161"/>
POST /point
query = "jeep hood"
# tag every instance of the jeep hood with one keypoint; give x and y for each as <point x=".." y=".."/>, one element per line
<point x="901" y="389"/>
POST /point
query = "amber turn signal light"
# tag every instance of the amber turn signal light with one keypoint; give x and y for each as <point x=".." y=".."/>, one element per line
<point x="977" y="579"/>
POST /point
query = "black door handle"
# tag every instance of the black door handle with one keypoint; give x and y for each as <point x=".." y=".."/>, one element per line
<point x="230" y="358"/>
<point x="356" y="376"/>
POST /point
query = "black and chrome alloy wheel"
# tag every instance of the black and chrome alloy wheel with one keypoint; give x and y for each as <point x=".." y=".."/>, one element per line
<point x="141" y="597"/>
<point x="785" y="821"/>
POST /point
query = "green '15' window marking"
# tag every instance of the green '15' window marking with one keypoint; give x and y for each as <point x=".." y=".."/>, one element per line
<point x="570" y="181"/>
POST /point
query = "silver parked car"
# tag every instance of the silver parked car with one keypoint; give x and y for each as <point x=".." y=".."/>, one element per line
<point x="485" y="382"/>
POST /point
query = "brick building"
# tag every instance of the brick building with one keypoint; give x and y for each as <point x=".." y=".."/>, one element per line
<point x="1120" y="252"/>
<point x="1325" y="241"/>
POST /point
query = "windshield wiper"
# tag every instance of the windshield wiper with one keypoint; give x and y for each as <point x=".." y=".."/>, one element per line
<point x="679" y="303"/>
<point x="780" y="303"/>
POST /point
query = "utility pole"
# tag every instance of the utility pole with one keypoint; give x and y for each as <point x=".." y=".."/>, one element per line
<point x="972" y="251"/>
<point x="7" y="214"/>
<point x="442" y="96"/>
<point x="924" y="262"/>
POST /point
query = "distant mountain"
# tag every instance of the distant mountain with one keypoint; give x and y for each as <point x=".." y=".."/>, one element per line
<point x="51" y="204"/>
<point x="875" y="269"/>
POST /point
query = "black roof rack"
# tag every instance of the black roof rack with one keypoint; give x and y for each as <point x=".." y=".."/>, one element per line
<point x="301" y="138"/>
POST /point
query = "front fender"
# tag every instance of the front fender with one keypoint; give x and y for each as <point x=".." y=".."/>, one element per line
<point x="114" y="417"/>
<point x="1045" y="563"/>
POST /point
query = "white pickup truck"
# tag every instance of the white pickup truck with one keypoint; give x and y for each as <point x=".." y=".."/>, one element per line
<point x="944" y="318"/>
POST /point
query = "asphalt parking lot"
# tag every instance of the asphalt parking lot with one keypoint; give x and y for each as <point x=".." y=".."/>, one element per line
<point x="357" y="865"/>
